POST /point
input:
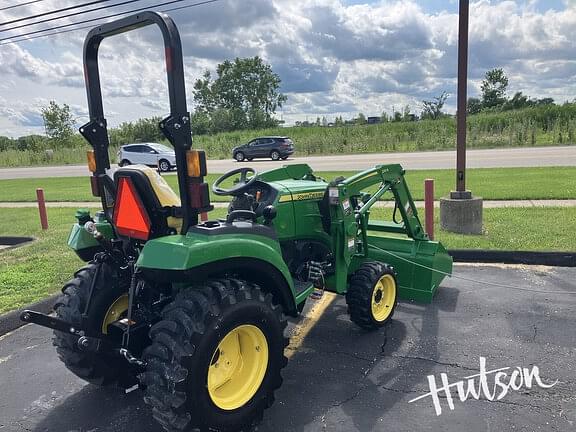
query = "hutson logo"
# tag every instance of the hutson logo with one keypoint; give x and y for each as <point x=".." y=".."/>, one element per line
<point x="490" y="384"/>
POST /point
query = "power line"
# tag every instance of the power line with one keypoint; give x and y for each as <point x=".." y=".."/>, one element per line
<point x="90" y="20"/>
<point x="24" y="39"/>
<point x="54" y="11"/>
<point x="21" y="4"/>
<point x="69" y="15"/>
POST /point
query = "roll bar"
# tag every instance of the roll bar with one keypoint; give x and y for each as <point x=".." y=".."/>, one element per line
<point x="176" y="127"/>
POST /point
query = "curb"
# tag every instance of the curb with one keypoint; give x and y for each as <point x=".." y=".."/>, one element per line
<point x="14" y="242"/>
<point x="11" y="320"/>
<point x="555" y="259"/>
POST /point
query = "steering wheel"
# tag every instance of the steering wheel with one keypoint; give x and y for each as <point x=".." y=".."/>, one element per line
<point x="242" y="185"/>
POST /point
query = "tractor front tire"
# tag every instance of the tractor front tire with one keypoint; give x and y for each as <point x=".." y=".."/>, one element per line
<point x="215" y="358"/>
<point x="372" y="295"/>
<point x="109" y="296"/>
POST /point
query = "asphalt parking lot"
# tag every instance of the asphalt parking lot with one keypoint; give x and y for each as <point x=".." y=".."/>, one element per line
<point x="343" y="379"/>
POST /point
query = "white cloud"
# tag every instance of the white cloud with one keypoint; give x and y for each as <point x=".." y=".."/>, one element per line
<point x="333" y="58"/>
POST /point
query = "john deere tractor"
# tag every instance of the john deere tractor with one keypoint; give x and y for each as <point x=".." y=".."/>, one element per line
<point x="195" y="311"/>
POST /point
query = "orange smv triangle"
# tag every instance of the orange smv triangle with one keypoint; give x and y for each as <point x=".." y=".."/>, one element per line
<point x="130" y="217"/>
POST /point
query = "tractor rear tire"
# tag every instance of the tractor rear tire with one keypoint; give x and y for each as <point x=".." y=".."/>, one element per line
<point x="98" y="369"/>
<point x="372" y="295"/>
<point x="182" y="381"/>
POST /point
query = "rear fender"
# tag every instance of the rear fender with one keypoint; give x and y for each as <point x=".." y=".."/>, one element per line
<point x="189" y="258"/>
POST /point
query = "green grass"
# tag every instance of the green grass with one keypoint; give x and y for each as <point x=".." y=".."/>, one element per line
<point x="489" y="183"/>
<point x="536" y="126"/>
<point x="520" y="228"/>
<point x="34" y="271"/>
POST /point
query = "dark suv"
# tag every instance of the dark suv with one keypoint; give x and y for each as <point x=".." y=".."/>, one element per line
<point x="275" y="147"/>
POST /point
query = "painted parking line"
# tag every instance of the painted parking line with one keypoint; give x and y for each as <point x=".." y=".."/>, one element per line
<point x="301" y="330"/>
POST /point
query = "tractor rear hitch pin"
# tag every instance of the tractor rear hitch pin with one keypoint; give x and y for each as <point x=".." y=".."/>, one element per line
<point x="131" y="359"/>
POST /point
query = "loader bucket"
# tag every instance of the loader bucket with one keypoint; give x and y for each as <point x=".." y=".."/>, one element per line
<point x="421" y="265"/>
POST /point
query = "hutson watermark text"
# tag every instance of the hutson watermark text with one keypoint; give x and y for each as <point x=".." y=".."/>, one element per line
<point x="489" y="384"/>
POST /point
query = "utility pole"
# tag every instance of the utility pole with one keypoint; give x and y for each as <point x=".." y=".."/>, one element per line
<point x="461" y="212"/>
<point x="462" y="98"/>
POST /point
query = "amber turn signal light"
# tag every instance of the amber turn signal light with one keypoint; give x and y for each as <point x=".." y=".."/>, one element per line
<point x="196" y="163"/>
<point x="91" y="161"/>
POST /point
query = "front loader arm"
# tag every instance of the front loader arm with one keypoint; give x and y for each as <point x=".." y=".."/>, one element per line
<point x="390" y="178"/>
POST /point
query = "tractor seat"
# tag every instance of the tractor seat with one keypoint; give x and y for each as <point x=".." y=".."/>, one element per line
<point x="159" y="200"/>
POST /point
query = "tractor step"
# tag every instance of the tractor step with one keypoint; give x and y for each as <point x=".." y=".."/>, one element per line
<point x="301" y="286"/>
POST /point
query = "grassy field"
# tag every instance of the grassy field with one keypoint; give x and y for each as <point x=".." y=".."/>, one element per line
<point x="489" y="183"/>
<point x="33" y="271"/>
<point x="536" y="126"/>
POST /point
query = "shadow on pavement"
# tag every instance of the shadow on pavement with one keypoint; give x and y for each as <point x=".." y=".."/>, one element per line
<point x="345" y="379"/>
<point x="100" y="409"/>
<point x="340" y="379"/>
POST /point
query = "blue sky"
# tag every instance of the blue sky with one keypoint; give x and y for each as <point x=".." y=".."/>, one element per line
<point x="335" y="57"/>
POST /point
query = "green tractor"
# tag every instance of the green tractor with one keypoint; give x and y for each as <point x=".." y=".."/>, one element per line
<point x="195" y="311"/>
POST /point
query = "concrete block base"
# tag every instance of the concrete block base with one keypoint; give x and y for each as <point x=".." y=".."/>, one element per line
<point x="463" y="216"/>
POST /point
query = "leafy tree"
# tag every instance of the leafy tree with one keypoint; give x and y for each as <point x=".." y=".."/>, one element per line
<point x="494" y="88"/>
<point x="361" y="119"/>
<point x="518" y="101"/>
<point x="433" y="108"/>
<point x="32" y="143"/>
<point x="247" y="89"/>
<point x="545" y="101"/>
<point x="5" y="143"/>
<point x="143" y="130"/>
<point x="407" y="115"/>
<point x="200" y="123"/>
<point x="385" y="117"/>
<point x="58" y="123"/>
<point x="474" y="105"/>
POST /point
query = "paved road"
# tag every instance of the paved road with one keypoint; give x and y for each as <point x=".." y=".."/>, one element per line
<point x="345" y="380"/>
<point x="515" y="157"/>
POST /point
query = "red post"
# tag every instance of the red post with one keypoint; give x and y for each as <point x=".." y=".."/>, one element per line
<point x="203" y="217"/>
<point x="429" y="207"/>
<point x="42" y="208"/>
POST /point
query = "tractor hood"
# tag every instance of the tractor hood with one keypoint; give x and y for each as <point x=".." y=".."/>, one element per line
<point x="301" y="190"/>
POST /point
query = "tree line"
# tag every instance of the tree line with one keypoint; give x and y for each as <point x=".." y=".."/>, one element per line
<point x="244" y="95"/>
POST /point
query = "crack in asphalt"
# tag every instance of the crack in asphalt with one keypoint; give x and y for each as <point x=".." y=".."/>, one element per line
<point x="456" y="365"/>
<point x="348" y="354"/>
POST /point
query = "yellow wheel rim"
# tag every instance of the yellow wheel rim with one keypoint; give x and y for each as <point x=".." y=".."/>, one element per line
<point x="237" y="367"/>
<point x="383" y="298"/>
<point x="114" y="312"/>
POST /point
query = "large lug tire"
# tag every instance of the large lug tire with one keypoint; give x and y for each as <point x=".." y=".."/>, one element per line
<point x="108" y="304"/>
<point x="164" y="165"/>
<point x="219" y="323"/>
<point x="372" y="295"/>
<point x="239" y="156"/>
<point x="275" y="155"/>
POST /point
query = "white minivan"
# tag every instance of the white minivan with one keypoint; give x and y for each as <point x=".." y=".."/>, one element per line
<point x="151" y="154"/>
